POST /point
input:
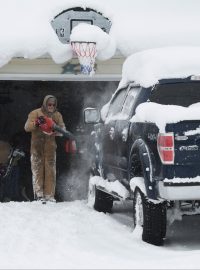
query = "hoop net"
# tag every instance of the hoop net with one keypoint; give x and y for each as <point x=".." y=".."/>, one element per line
<point x="86" y="52"/>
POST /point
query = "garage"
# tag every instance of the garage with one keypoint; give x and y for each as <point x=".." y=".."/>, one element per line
<point x="18" y="98"/>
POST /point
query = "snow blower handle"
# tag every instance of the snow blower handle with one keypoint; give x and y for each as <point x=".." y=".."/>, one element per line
<point x="70" y="144"/>
<point x="64" y="132"/>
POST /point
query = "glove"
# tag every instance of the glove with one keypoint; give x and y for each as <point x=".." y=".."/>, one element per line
<point x="40" y="121"/>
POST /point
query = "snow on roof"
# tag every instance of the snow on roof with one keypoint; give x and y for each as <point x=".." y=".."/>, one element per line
<point x="26" y="31"/>
<point x="148" y="67"/>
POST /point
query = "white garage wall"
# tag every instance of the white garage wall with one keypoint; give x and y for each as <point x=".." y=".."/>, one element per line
<point x="45" y="68"/>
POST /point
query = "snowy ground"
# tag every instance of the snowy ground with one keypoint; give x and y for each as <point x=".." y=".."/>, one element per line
<point x="71" y="235"/>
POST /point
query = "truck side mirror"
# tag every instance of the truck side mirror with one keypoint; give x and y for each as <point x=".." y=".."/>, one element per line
<point x="91" y="116"/>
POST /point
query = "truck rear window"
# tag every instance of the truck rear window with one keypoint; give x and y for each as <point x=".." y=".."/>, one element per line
<point x="181" y="94"/>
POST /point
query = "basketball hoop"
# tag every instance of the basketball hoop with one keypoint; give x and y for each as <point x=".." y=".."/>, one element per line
<point x="86" y="52"/>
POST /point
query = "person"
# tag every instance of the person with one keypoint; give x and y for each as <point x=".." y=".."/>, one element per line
<point x="43" y="147"/>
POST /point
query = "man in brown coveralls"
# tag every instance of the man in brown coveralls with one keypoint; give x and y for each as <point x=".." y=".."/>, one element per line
<point x="43" y="147"/>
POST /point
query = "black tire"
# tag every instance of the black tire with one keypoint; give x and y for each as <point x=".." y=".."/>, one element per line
<point x="103" y="201"/>
<point x="153" y="221"/>
<point x="100" y="201"/>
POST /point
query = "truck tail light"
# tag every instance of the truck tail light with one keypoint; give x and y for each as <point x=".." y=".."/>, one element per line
<point x="165" y="145"/>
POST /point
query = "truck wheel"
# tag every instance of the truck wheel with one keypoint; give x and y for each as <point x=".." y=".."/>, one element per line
<point x="103" y="201"/>
<point x="99" y="200"/>
<point x="151" y="217"/>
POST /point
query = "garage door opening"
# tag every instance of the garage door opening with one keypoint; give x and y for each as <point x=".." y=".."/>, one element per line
<point x="18" y="98"/>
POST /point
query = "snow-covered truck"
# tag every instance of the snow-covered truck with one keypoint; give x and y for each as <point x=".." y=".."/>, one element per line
<point x="148" y="141"/>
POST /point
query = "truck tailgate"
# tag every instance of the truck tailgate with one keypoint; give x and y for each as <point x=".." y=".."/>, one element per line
<point x="186" y="141"/>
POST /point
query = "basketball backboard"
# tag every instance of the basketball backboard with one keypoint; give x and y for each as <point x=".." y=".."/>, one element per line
<point x="64" y="22"/>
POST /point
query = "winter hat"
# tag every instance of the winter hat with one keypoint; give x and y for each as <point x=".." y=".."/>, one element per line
<point x="44" y="105"/>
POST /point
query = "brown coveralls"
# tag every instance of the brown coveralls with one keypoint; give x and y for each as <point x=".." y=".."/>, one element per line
<point x="43" y="152"/>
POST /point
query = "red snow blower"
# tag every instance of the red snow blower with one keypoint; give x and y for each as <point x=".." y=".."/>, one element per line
<point x="48" y="126"/>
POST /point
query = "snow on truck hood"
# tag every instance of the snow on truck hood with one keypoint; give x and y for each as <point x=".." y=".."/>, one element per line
<point x="148" y="67"/>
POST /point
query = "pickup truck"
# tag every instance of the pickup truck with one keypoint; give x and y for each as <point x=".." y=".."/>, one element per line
<point x="148" y="141"/>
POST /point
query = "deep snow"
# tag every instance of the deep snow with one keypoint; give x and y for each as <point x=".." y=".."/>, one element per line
<point x="71" y="235"/>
